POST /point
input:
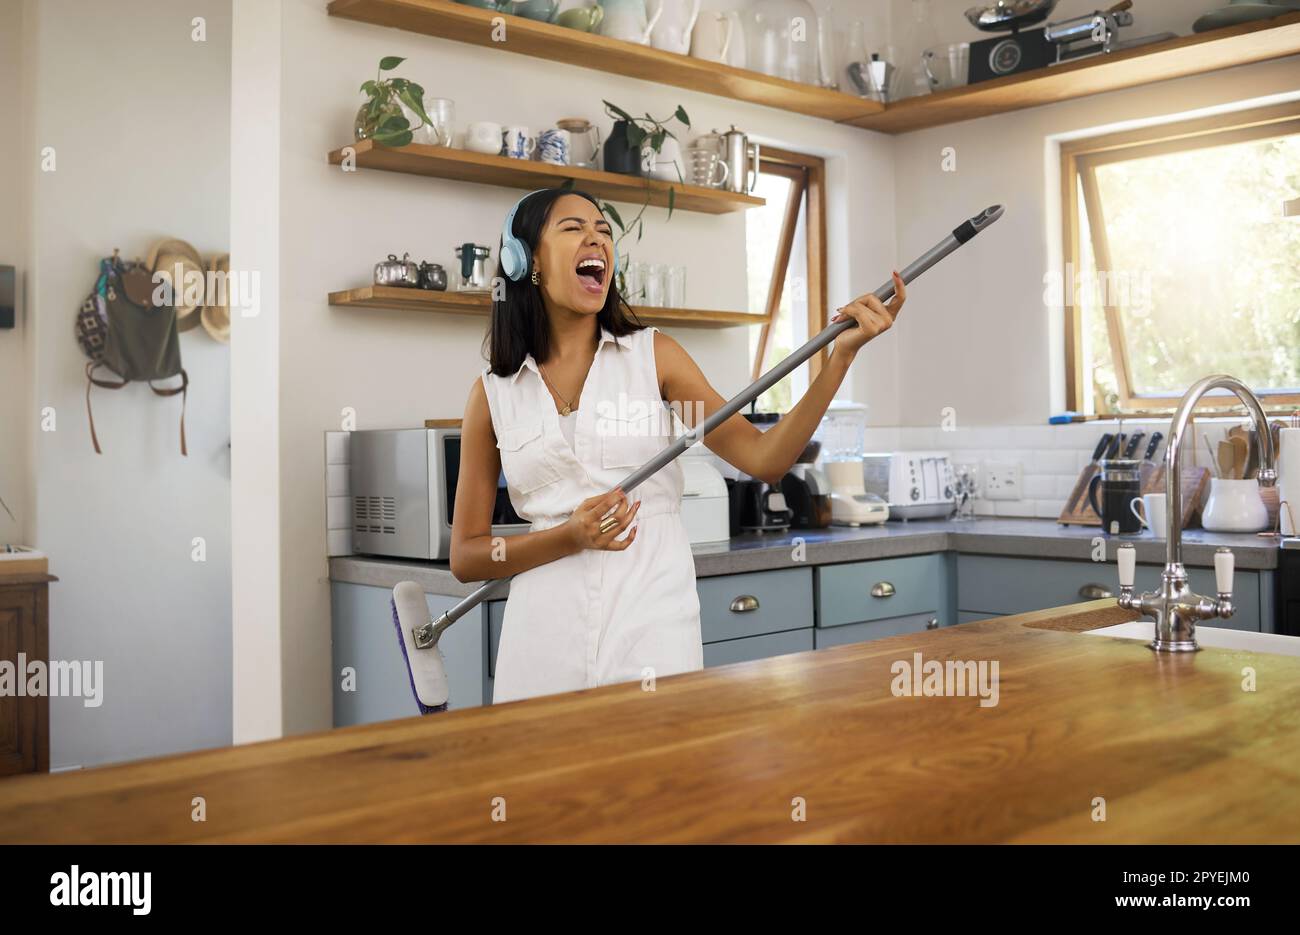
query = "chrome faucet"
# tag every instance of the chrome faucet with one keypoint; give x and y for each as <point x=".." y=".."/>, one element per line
<point x="1173" y="606"/>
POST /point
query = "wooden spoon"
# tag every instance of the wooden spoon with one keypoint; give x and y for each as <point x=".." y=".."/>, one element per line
<point x="1240" y="455"/>
<point x="1227" y="459"/>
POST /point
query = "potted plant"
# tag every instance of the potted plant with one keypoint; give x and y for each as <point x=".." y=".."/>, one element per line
<point x="382" y="117"/>
<point x="631" y="135"/>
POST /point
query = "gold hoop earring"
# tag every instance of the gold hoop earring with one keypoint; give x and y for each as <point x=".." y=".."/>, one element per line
<point x="537" y="280"/>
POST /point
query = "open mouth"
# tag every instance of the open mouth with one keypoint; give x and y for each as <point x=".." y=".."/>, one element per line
<point x="591" y="274"/>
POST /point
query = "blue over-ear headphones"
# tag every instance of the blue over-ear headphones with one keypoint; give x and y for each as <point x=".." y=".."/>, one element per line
<point x="515" y="255"/>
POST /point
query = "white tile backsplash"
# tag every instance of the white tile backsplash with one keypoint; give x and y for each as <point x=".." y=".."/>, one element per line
<point x="1051" y="456"/>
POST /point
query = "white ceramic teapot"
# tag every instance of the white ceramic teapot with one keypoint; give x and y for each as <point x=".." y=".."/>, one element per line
<point x="626" y="20"/>
<point x="676" y="20"/>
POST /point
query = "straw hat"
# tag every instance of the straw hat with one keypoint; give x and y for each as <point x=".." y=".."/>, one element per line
<point x="216" y="314"/>
<point x="181" y="261"/>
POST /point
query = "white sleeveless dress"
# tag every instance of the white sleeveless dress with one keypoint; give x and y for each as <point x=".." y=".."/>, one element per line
<point x="594" y="617"/>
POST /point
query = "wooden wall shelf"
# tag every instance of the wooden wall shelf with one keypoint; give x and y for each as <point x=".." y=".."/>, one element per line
<point x="1175" y="58"/>
<point x="462" y="165"/>
<point x="470" y="303"/>
<point x="448" y="20"/>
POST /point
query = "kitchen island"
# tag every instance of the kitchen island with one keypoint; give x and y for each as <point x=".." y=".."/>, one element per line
<point x="1091" y="739"/>
<point x="764" y="595"/>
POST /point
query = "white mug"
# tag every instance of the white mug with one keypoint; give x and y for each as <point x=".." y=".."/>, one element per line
<point x="483" y="137"/>
<point x="1153" y="514"/>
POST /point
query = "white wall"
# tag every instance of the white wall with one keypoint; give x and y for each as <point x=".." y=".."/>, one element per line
<point x="138" y="117"/>
<point x="15" y="447"/>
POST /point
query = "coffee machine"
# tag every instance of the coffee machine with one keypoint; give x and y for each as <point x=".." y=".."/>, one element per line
<point x="808" y="491"/>
<point x="757" y="506"/>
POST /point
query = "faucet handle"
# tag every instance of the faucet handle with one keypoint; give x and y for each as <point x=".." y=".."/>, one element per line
<point x="1126" y="558"/>
<point x="1224" y="563"/>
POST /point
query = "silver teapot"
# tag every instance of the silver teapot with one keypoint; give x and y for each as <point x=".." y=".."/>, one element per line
<point x="395" y="272"/>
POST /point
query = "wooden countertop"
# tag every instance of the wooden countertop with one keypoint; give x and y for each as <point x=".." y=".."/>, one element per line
<point x="1177" y="749"/>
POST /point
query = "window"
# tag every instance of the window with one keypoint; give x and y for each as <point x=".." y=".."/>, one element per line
<point x="786" y="264"/>
<point x="1181" y="262"/>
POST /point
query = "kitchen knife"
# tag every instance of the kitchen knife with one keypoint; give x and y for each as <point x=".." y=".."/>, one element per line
<point x="1148" y="467"/>
<point x="1082" y="484"/>
<point x="1133" y="441"/>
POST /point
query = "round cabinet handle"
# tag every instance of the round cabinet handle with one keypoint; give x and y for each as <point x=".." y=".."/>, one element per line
<point x="1095" y="592"/>
<point x="744" y="604"/>
<point x="882" y="589"/>
<point x="932" y="623"/>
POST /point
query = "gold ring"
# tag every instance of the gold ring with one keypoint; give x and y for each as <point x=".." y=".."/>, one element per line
<point x="607" y="524"/>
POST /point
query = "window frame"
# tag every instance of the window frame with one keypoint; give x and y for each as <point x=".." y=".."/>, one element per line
<point x="807" y="175"/>
<point x="1079" y="162"/>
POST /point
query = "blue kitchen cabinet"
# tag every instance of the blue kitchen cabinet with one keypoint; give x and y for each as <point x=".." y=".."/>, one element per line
<point x="861" y="601"/>
<point x="365" y="642"/>
<point x="990" y="585"/>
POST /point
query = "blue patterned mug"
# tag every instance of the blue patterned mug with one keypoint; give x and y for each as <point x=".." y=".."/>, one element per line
<point x="518" y="143"/>
<point x="553" y="147"/>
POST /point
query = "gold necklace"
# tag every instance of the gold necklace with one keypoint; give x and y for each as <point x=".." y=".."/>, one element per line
<point x="568" y="407"/>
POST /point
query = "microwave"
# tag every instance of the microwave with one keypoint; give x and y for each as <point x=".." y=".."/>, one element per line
<point x="403" y="489"/>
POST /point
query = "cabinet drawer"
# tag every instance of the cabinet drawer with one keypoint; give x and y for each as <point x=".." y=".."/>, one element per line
<point x="913" y="585"/>
<point x="737" y="606"/>
<point x="999" y="586"/>
<point x="757" y="647"/>
<point x="875" y="629"/>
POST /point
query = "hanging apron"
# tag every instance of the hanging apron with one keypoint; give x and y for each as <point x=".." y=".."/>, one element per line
<point x="594" y="617"/>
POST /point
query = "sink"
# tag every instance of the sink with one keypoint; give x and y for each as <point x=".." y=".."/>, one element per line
<point x="1217" y="637"/>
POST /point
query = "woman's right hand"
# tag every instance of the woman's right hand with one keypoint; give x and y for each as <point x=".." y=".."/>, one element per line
<point x="584" y="525"/>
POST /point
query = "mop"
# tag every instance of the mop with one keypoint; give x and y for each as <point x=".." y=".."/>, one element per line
<point x="418" y="634"/>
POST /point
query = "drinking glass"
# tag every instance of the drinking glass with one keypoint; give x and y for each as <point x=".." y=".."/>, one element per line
<point x="676" y="297"/>
<point x="634" y="283"/>
<point x="442" y="112"/>
<point x="655" y="285"/>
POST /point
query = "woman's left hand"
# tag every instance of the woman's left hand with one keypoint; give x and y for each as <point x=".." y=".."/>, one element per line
<point x="874" y="317"/>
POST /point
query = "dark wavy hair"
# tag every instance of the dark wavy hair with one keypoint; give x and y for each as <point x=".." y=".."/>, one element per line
<point x="518" y="326"/>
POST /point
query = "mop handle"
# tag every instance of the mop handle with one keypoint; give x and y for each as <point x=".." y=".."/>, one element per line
<point x="427" y="635"/>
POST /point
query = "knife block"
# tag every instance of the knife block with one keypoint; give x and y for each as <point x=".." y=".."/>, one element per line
<point x="1079" y="512"/>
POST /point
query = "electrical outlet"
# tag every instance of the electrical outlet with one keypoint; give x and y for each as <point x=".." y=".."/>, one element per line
<point x="1003" y="480"/>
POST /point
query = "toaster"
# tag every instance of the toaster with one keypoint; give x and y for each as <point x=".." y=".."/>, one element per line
<point x="916" y="484"/>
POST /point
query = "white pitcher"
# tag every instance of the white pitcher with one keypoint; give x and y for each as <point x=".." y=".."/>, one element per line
<point x="676" y="20"/>
<point x="626" y="20"/>
<point x="712" y="36"/>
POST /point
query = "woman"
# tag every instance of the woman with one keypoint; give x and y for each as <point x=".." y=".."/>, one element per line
<point x="573" y="402"/>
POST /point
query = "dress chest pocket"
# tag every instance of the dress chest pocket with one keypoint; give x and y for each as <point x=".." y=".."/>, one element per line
<point x="634" y="435"/>
<point x="523" y="457"/>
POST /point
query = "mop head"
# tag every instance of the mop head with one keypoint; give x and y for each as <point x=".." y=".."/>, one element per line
<point x="424" y="667"/>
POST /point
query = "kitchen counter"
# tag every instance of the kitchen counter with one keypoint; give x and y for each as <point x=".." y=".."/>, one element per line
<point x="809" y="747"/>
<point x="1027" y="538"/>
